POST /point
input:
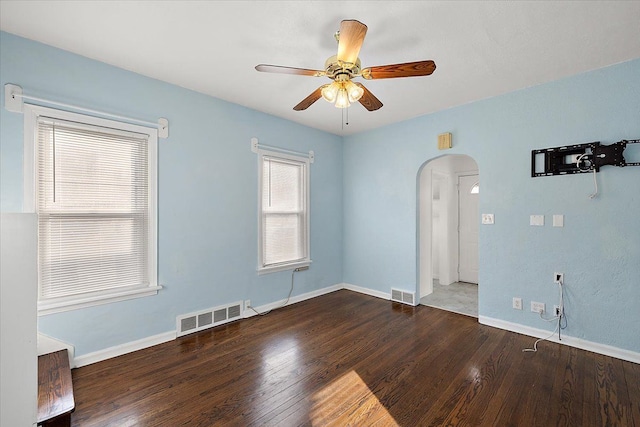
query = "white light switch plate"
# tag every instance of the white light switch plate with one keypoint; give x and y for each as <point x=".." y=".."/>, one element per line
<point x="537" y="220"/>
<point x="487" y="218"/>
<point x="558" y="220"/>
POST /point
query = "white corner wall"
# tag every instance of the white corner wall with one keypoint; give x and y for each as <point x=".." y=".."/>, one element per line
<point x="18" y="316"/>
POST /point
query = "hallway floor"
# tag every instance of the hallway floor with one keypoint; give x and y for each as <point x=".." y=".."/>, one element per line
<point x="458" y="297"/>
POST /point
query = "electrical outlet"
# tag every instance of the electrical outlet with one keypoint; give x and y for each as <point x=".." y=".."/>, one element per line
<point x="558" y="277"/>
<point x="517" y="303"/>
<point x="537" y="307"/>
<point x="487" y="219"/>
<point x="556" y="311"/>
<point x="247" y="304"/>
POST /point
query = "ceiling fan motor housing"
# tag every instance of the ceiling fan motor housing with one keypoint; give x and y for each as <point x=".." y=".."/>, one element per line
<point x="335" y="68"/>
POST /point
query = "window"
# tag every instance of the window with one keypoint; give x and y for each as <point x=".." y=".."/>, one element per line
<point x="284" y="212"/>
<point x="475" y="189"/>
<point x="94" y="189"/>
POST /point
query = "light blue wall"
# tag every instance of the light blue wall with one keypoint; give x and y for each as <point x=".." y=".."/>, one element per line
<point x="599" y="247"/>
<point x="207" y="192"/>
<point x="364" y="193"/>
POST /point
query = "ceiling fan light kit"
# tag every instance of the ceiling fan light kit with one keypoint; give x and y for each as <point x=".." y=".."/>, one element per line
<point x="345" y="66"/>
<point x="342" y="92"/>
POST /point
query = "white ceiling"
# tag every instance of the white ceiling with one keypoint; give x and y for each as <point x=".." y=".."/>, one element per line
<point x="482" y="49"/>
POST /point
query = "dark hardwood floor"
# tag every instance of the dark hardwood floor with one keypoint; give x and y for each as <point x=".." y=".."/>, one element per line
<point x="350" y="359"/>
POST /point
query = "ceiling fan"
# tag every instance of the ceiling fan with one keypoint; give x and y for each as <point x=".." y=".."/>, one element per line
<point x="345" y="66"/>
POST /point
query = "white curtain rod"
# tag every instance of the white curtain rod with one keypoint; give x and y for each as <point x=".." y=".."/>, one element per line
<point x="255" y="145"/>
<point x="14" y="99"/>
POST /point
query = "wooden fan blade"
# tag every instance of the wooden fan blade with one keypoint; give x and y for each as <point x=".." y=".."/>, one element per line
<point x="309" y="100"/>
<point x="408" y="69"/>
<point x="289" y="70"/>
<point x="368" y="100"/>
<point x="352" y="34"/>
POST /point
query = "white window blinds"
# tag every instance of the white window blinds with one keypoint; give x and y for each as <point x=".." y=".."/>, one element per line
<point x="92" y="199"/>
<point x="284" y="213"/>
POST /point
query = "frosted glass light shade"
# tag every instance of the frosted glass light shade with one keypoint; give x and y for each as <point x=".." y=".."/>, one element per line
<point x="354" y="91"/>
<point x="330" y="92"/>
<point x="342" y="101"/>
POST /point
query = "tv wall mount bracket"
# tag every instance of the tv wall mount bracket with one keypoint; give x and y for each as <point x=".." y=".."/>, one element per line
<point x="579" y="158"/>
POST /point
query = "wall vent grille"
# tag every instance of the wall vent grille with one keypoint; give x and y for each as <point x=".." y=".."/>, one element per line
<point x="403" y="296"/>
<point x="204" y="319"/>
<point x="188" y="323"/>
<point x="234" y="311"/>
<point x="220" y="315"/>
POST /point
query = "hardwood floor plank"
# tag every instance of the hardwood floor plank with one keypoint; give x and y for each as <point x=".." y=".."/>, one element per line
<point x="464" y="386"/>
<point x="567" y="409"/>
<point x="487" y="381"/>
<point x="589" y="392"/>
<point x="342" y="357"/>
<point x="632" y="378"/>
<point x="333" y="398"/>
<point x="613" y="396"/>
<point x="374" y="349"/>
<point x="418" y="393"/>
<point x="351" y="359"/>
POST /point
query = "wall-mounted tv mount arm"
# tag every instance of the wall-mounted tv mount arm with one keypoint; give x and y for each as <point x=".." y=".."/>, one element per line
<point x="579" y="158"/>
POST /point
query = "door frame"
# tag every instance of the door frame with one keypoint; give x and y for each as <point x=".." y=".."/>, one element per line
<point x="424" y="223"/>
<point x="458" y="175"/>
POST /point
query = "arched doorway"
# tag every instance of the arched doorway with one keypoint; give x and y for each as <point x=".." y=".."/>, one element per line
<point x="448" y="219"/>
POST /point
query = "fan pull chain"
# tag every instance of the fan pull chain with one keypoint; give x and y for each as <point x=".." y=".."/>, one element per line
<point x="343" y="120"/>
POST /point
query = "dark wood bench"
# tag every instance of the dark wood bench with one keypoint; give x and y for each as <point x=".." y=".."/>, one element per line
<point x="55" y="391"/>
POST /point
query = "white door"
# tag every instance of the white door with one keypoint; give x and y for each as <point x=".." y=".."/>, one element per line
<point x="468" y="188"/>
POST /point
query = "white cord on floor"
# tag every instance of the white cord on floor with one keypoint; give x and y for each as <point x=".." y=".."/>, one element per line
<point x="535" y="344"/>
<point x="558" y="318"/>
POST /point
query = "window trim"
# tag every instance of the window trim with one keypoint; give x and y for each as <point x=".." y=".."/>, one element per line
<point x="306" y="261"/>
<point x="31" y="114"/>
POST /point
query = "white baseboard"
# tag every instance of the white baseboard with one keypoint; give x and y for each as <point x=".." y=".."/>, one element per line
<point x="366" y="291"/>
<point x="595" y="347"/>
<point x="129" y="347"/>
<point x="298" y="298"/>
<point x="119" y="350"/>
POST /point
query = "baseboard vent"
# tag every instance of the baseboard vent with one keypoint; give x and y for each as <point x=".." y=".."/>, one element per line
<point x="403" y="296"/>
<point x="200" y="320"/>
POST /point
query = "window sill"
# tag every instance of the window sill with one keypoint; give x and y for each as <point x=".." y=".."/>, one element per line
<point x="61" y="305"/>
<point x="285" y="267"/>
